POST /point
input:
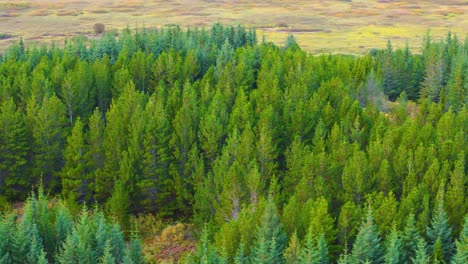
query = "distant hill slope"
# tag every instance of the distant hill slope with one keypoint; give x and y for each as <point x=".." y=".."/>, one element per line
<point x="346" y="26"/>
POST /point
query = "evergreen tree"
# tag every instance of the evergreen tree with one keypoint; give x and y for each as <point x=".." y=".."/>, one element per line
<point x="204" y="253"/>
<point x="63" y="225"/>
<point x="119" y="203"/>
<point x="13" y="150"/>
<point x="73" y="173"/>
<point x="155" y="182"/>
<point x="456" y="195"/>
<point x="94" y="157"/>
<point x="292" y="252"/>
<point x="48" y="134"/>
<point x="440" y="232"/>
<point x="7" y="241"/>
<point x="291" y="43"/>
<point x="457" y="89"/>
<point x="437" y="252"/>
<point x="35" y="248"/>
<point x="240" y="257"/>
<point x="433" y="74"/>
<point x="354" y="182"/>
<point x="266" y="148"/>
<point x="107" y="257"/>
<point x="314" y="250"/>
<point x="421" y="256"/>
<point x="133" y="251"/>
<point x="184" y="148"/>
<point x="462" y="245"/>
<point x="367" y="244"/>
<point x="270" y="238"/>
<point x="410" y="238"/>
<point x="393" y="248"/>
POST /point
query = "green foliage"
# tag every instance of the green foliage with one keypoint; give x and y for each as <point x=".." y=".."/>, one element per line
<point x="314" y="249"/>
<point x="367" y="245"/>
<point x="410" y="239"/>
<point x="393" y="247"/>
<point x="204" y="125"/>
<point x="74" y="182"/>
<point x="292" y="252"/>
<point x="421" y="256"/>
<point x="462" y="245"/>
<point x="205" y="253"/>
<point x="13" y="150"/>
<point x="439" y="234"/>
<point x="270" y="239"/>
<point x="119" y="203"/>
<point x="49" y="234"/>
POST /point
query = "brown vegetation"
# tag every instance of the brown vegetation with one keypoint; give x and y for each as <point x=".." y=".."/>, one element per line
<point x="99" y="28"/>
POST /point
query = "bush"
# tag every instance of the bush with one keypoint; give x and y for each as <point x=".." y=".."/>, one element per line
<point x="99" y="28"/>
<point x="5" y="206"/>
<point x="5" y="36"/>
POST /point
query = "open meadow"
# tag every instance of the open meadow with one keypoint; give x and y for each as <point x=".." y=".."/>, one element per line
<point x="320" y="26"/>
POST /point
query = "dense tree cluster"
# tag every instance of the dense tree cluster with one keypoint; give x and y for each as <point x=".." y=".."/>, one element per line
<point x="278" y="155"/>
<point x="45" y="234"/>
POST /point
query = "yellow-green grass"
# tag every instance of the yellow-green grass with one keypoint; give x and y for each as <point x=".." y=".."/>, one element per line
<point x="320" y="26"/>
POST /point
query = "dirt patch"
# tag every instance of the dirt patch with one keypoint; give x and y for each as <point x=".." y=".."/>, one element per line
<point x="195" y="14"/>
<point x="10" y="14"/>
<point x="39" y="12"/>
<point x="98" y="11"/>
<point x="301" y="30"/>
<point x="69" y="13"/>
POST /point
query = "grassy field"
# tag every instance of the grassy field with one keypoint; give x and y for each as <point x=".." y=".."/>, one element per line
<point x="320" y="26"/>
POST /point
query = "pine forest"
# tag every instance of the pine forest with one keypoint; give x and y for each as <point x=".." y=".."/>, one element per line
<point x="210" y="145"/>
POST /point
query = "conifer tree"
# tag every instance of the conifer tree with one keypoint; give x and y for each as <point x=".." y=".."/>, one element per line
<point x="48" y="134"/>
<point x="7" y="241"/>
<point x="154" y="182"/>
<point x="94" y="157"/>
<point x="204" y="253"/>
<point x="314" y="250"/>
<point x="410" y="238"/>
<point x="107" y="257"/>
<point x="13" y="150"/>
<point x="457" y="89"/>
<point x="63" y="225"/>
<point x="184" y="147"/>
<point x="439" y="232"/>
<point x="240" y="257"/>
<point x="367" y="244"/>
<point x="420" y="256"/>
<point x="462" y="245"/>
<point x="437" y="252"/>
<point x="74" y="186"/>
<point x="393" y="246"/>
<point x="119" y="203"/>
<point x="212" y="128"/>
<point x="42" y="258"/>
<point x="348" y="222"/>
<point x="433" y="74"/>
<point x="133" y="251"/>
<point x="456" y="195"/>
<point x="266" y="147"/>
<point x="354" y="182"/>
<point x="102" y="82"/>
<point x="270" y="238"/>
<point x="35" y="248"/>
<point x="292" y="252"/>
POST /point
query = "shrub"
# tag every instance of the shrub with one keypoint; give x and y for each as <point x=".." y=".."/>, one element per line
<point x="99" y="28"/>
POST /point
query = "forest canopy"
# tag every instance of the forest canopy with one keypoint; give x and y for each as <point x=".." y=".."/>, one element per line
<point x="274" y="154"/>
